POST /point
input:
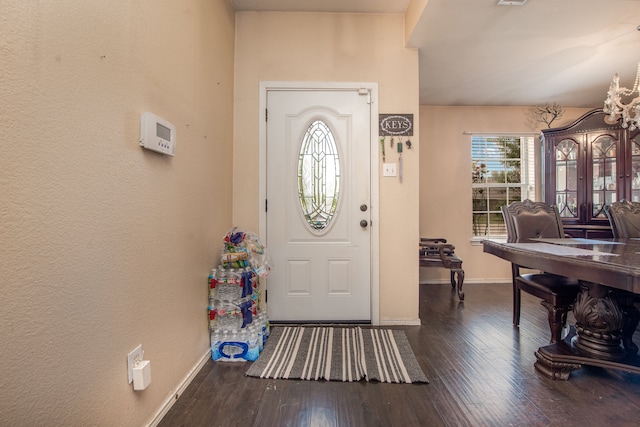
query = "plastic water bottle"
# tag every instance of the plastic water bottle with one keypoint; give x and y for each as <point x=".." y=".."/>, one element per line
<point x="228" y="316"/>
<point x="224" y="343"/>
<point x="238" y="346"/>
<point x="253" y="348"/>
<point x="216" y="339"/>
<point x="228" y="347"/>
<point x="234" y="279"/>
<point x="258" y="331"/>
<point x="221" y="284"/>
<point x="231" y="281"/>
<point x="266" y="327"/>
<point x="212" y="297"/>
<point x="225" y="336"/>
<point x="260" y="325"/>
<point x="212" y="318"/>
<point x="212" y="283"/>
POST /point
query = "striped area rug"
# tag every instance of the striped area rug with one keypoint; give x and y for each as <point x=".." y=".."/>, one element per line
<point x="338" y="354"/>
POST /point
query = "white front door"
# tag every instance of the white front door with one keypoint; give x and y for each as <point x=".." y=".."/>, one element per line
<point x="318" y="205"/>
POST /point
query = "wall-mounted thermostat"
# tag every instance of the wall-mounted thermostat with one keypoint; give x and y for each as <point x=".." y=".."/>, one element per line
<point x="157" y="134"/>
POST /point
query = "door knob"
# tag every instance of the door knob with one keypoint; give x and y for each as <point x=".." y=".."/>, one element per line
<point x="364" y="223"/>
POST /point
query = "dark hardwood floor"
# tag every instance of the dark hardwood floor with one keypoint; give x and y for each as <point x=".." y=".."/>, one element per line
<point x="480" y="369"/>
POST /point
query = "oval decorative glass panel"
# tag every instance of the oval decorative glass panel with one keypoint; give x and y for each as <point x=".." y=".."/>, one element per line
<point x="318" y="176"/>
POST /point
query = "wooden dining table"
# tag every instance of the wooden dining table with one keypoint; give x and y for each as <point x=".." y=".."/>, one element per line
<point x="606" y="316"/>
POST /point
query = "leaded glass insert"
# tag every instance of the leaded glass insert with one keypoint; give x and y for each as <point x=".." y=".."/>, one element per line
<point x="604" y="157"/>
<point x="567" y="178"/>
<point x="635" y="169"/>
<point x="318" y="176"/>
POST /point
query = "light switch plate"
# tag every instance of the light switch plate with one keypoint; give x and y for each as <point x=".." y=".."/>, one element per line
<point x="389" y="169"/>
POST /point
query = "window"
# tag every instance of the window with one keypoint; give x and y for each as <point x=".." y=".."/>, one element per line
<point x="502" y="171"/>
<point x="318" y="176"/>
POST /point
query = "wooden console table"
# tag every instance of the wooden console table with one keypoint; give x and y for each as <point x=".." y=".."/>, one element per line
<point x="436" y="252"/>
<point x="606" y="318"/>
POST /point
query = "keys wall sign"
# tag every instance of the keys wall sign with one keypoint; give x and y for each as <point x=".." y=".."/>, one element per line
<point x="395" y="124"/>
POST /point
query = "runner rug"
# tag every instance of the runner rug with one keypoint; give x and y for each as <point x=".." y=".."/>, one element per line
<point x="338" y="354"/>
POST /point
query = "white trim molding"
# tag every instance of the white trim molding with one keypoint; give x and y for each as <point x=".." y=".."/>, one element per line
<point x="372" y="88"/>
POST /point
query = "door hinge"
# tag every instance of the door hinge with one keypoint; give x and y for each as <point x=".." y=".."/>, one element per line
<point x="266" y="205"/>
<point x="367" y="92"/>
<point x="266" y="115"/>
<point x="266" y="295"/>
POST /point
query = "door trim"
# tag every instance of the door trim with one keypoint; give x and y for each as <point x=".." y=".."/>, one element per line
<point x="267" y="86"/>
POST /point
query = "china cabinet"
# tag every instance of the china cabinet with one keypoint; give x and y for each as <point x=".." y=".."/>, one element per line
<point x="588" y="164"/>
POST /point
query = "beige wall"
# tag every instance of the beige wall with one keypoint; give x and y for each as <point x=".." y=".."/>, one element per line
<point x="412" y="16"/>
<point x="105" y="245"/>
<point x="335" y="48"/>
<point x="445" y="190"/>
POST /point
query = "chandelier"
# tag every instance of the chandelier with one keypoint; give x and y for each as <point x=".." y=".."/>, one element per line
<point x="614" y="107"/>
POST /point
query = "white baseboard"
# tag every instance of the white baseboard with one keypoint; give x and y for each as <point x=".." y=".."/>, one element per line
<point x="181" y="388"/>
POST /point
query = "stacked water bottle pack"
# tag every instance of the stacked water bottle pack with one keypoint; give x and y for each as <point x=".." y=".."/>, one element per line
<point x="238" y="327"/>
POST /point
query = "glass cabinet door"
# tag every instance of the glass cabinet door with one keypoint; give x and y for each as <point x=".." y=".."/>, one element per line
<point x="590" y="164"/>
<point x="604" y="155"/>
<point x="566" y="174"/>
<point x="635" y="168"/>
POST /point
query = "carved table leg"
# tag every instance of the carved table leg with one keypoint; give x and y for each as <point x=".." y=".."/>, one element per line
<point x="457" y="278"/>
<point x="557" y="319"/>
<point x="599" y="322"/>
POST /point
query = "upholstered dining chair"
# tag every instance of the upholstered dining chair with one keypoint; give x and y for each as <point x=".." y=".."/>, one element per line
<point x="525" y="220"/>
<point x="624" y="217"/>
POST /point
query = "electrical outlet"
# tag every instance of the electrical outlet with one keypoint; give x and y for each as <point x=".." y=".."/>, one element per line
<point x="132" y="358"/>
<point x="389" y="169"/>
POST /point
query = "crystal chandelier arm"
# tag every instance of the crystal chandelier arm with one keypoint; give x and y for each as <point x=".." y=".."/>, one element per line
<point x="614" y="107"/>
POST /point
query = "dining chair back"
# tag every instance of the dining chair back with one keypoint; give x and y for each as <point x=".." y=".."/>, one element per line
<point x="624" y="217"/>
<point x="524" y="221"/>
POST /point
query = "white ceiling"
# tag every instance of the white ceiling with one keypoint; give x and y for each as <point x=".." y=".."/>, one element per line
<point x="474" y="52"/>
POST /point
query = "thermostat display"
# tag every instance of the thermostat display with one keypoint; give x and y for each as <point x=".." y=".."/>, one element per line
<point x="157" y="134"/>
<point x="163" y="132"/>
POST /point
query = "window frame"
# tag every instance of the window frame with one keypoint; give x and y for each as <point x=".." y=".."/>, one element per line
<point x="528" y="176"/>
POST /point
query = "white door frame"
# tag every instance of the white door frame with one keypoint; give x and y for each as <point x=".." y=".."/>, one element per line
<point x="374" y="179"/>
